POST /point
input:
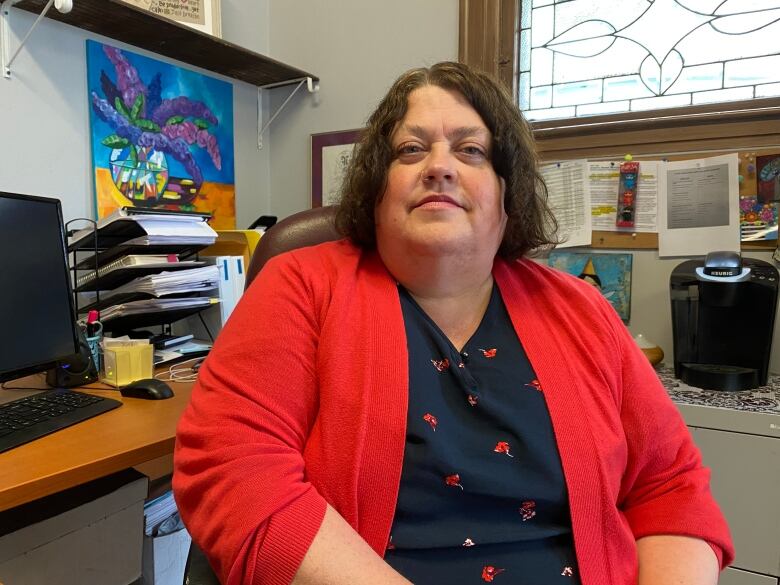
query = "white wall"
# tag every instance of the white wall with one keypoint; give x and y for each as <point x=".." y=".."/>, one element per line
<point x="357" y="48"/>
<point x="44" y="116"/>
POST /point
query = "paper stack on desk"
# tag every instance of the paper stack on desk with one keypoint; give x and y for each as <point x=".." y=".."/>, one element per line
<point x="137" y="225"/>
<point x="168" y="283"/>
<point x="154" y="306"/>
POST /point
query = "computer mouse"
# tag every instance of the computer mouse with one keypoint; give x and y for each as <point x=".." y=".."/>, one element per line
<point x="148" y="388"/>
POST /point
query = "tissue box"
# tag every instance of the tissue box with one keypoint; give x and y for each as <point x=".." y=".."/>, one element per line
<point x="125" y="362"/>
<point x="165" y="558"/>
<point x="88" y="534"/>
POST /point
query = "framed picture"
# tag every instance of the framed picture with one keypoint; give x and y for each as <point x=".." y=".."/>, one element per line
<point x="330" y="154"/>
<point x="609" y="273"/>
<point x="162" y="140"/>
<point x="202" y="15"/>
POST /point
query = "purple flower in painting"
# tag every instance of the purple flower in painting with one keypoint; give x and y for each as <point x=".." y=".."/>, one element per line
<point x="182" y="106"/>
<point x="768" y="214"/>
<point x="121" y="125"/>
<point x="746" y="204"/>
<point x="141" y="118"/>
<point x="127" y="79"/>
<point x="191" y="134"/>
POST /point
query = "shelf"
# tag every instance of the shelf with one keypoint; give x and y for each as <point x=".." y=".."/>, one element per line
<point x="132" y="25"/>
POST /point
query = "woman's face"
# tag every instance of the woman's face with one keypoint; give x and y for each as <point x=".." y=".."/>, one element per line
<point x="442" y="194"/>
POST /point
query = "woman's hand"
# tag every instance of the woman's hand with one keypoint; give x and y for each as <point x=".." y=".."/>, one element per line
<point x="339" y="555"/>
<point x="665" y="559"/>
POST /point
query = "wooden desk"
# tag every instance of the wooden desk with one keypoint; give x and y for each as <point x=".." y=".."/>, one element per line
<point x="138" y="431"/>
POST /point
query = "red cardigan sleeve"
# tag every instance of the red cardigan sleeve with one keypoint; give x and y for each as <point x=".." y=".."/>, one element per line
<point x="665" y="487"/>
<point x="239" y="475"/>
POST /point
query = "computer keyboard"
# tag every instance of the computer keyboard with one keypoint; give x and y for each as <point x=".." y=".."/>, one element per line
<point x="26" y="419"/>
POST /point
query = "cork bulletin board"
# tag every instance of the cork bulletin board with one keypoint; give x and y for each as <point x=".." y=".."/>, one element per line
<point x="748" y="170"/>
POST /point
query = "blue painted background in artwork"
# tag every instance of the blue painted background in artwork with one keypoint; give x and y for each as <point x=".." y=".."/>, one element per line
<point x="613" y="270"/>
<point x="216" y="94"/>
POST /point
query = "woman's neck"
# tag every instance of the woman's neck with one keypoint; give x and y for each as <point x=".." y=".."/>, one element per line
<point x="453" y="291"/>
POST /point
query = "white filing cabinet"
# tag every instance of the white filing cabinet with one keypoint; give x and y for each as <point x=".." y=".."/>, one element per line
<point x="739" y="437"/>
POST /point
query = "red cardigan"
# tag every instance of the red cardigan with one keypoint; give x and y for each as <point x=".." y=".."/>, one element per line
<point x="303" y="401"/>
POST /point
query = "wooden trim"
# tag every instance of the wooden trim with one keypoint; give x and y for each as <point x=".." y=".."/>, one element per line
<point x="486" y="37"/>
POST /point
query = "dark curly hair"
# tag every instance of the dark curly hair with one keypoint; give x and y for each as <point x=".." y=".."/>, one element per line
<point x="530" y="223"/>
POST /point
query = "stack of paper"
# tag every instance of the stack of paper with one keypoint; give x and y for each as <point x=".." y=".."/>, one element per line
<point x="157" y="510"/>
<point x="169" y="283"/>
<point x="146" y="228"/>
<point x="154" y="306"/>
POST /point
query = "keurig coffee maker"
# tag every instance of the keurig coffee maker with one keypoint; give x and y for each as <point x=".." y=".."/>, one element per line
<point x="723" y="316"/>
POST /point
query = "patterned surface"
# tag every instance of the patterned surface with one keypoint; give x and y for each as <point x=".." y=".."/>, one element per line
<point x="764" y="399"/>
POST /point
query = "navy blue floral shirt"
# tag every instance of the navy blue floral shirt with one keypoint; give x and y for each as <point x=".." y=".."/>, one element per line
<point x="482" y="495"/>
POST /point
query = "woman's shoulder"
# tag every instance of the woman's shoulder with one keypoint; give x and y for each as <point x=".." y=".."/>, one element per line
<point x="554" y="293"/>
<point x="336" y="254"/>
<point x="539" y="275"/>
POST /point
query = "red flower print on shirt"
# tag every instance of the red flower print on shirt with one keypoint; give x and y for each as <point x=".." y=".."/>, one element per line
<point x="527" y="510"/>
<point x="489" y="573"/>
<point x="535" y="385"/>
<point x="390" y="545"/>
<point x="431" y="420"/>
<point x="503" y="447"/>
<point x="468" y="542"/>
<point x="453" y="480"/>
<point x="472" y="400"/>
<point x="489" y="353"/>
<point x="441" y="365"/>
<point x="567" y="572"/>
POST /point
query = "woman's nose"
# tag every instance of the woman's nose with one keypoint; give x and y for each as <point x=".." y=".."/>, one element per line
<point x="439" y="165"/>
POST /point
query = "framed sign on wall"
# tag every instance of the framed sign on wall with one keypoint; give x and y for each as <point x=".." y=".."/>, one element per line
<point x="330" y="154"/>
<point x="202" y="15"/>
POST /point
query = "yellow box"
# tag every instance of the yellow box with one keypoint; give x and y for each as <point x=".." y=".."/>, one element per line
<point x="234" y="243"/>
<point x="125" y="363"/>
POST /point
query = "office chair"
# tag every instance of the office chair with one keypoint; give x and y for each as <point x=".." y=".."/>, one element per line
<point x="306" y="228"/>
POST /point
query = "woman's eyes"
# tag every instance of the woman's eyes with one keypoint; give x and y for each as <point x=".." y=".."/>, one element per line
<point x="470" y="150"/>
<point x="409" y="149"/>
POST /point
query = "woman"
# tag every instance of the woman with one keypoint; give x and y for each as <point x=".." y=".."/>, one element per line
<point x="415" y="404"/>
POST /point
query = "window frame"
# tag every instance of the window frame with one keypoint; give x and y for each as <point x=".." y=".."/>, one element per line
<point x="488" y="40"/>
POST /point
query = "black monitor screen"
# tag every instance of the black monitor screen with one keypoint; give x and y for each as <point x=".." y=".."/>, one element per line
<point x="37" y="321"/>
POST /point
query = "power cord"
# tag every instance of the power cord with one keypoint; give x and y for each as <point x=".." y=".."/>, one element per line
<point x="180" y="372"/>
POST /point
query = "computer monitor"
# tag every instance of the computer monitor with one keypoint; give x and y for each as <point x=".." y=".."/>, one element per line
<point x="37" y="316"/>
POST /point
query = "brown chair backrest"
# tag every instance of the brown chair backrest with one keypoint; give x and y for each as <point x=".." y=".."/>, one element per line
<point x="306" y="228"/>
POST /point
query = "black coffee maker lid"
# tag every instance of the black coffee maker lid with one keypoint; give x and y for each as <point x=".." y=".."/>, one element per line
<point x="723" y="266"/>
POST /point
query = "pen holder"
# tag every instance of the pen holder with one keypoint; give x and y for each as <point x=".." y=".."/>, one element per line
<point x="122" y="364"/>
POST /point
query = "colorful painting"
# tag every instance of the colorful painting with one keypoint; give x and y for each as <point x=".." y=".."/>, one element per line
<point x="757" y="220"/>
<point x="162" y="136"/>
<point x="610" y="273"/>
<point x="768" y="175"/>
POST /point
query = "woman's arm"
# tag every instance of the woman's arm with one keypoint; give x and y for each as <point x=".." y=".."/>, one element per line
<point x="339" y="555"/>
<point x="676" y="560"/>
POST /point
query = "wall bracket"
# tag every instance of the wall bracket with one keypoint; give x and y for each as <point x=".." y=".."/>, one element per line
<point x="6" y="58"/>
<point x="311" y="85"/>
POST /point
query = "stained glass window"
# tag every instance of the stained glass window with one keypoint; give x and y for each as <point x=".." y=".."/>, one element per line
<point x="586" y="57"/>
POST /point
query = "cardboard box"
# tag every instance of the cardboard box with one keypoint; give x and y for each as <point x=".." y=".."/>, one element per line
<point x="92" y="533"/>
<point x="165" y="558"/>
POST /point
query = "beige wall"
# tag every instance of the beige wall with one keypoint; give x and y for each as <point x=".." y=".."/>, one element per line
<point x="357" y="48"/>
